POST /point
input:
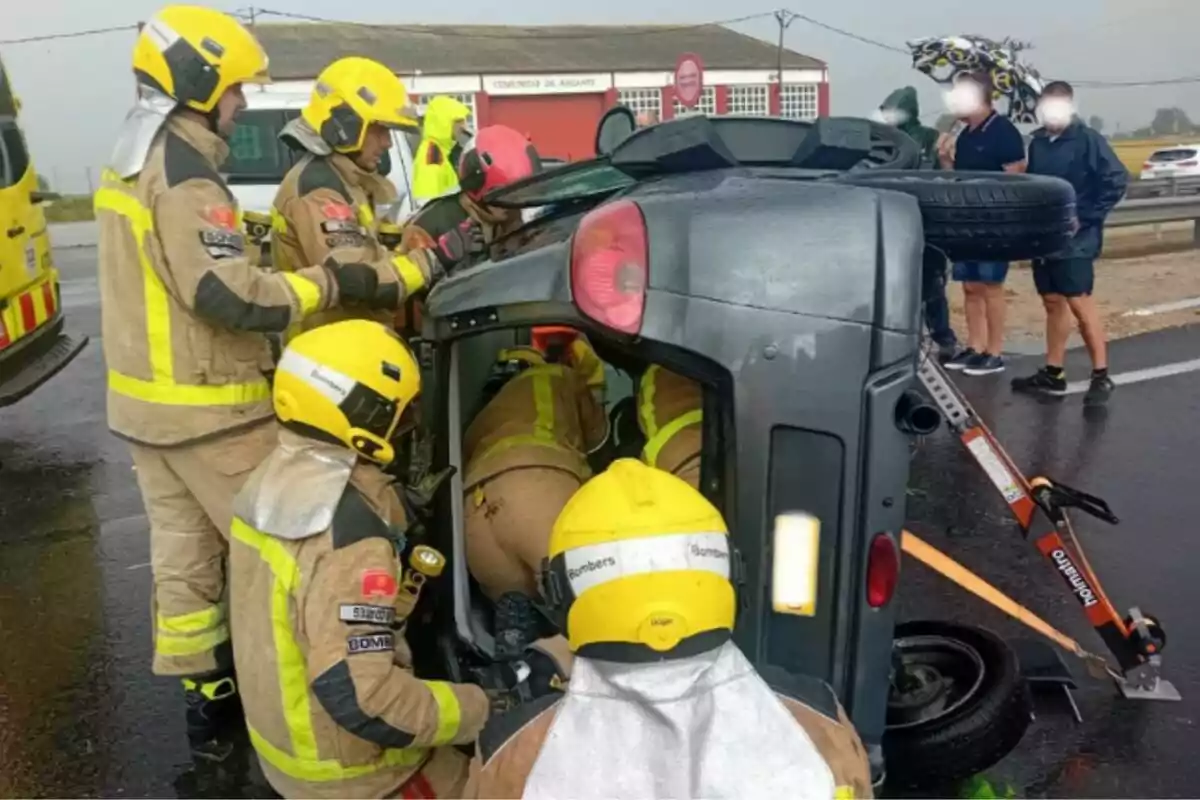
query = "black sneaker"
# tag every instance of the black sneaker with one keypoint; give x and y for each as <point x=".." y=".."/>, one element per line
<point x="1099" y="392"/>
<point x="1041" y="382"/>
<point x="961" y="360"/>
<point x="984" y="364"/>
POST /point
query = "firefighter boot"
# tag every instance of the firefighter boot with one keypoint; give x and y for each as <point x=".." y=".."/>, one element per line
<point x="213" y="708"/>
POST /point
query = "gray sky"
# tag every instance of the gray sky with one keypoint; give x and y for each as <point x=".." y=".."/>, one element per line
<point x="76" y="91"/>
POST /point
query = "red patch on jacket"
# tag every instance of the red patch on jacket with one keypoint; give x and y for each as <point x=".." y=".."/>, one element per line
<point x="433" y="155"/>
<point x="378" y="583"/>
<point x="222" y="217"/>
<point x="337" y="211"/>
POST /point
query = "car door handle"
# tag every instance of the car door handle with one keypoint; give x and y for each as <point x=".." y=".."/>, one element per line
<point x="15" y="232"/>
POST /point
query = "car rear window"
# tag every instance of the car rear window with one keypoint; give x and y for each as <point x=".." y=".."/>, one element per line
<point x="256" y="155"/>
<point x="1169" y="156"/>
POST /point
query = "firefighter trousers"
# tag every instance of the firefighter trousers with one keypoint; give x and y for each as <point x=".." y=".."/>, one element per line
<point x="188" y="492"/>
<point x="507" y="526"/>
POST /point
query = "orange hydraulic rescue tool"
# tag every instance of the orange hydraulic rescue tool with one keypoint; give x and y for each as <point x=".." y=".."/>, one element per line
<point x="1039" y="506"/>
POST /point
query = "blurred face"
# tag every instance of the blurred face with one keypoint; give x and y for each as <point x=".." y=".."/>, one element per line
<point x="231" y="103"/>
<point x="461" y="133"/>
<point x="890" y="116"/>
<point x="376" y="143"/>
<point x="1055" y="111"/>
<point x="965" y="100"/>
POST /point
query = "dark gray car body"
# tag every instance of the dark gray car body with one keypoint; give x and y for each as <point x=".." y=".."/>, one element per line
<point x="796" y="304"/>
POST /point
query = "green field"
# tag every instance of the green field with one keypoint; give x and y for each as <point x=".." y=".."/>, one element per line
<point x="70" y="208"/>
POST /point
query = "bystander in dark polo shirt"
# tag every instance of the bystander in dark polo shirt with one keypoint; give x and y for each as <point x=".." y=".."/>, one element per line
<point x="990" y="146"/>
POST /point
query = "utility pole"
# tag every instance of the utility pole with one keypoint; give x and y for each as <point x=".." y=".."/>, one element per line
<point x="784" y="18"/>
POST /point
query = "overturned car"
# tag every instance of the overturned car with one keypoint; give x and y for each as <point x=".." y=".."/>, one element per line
<point x="776" y="264"/>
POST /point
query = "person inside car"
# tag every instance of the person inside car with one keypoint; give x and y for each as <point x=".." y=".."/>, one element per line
<point x="444" y="133"/>
<point x="669" y="414"/>
<point x="525" y="455"/>
<point x="320" y="596"/>
<point x="661" y="703"/>
<point x="325" y="205"/>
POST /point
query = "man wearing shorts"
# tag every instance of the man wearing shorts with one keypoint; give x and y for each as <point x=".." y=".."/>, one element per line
<point x="987" y="143"/>
<point x="1067" y="148"/>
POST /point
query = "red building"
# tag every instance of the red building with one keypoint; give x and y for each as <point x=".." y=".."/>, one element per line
<point x="554" y="83"/>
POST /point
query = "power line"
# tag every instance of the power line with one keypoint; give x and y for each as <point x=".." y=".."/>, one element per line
<point x="72" y="35"/>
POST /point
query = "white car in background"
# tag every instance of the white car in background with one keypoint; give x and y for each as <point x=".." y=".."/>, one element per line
<point x="1176" y="161"/>
<point x="258" y="160"/>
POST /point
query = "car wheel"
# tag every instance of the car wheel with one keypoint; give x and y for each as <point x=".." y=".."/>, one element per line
<point x="957" y="703"/>
<point x="984" y="216"/>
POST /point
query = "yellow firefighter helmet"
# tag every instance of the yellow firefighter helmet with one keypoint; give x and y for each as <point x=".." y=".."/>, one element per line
<point x="640" y="567"/>
<point x="347" y="382"/>
<point x="350" y="95"/>
<point x="194" y="54"/>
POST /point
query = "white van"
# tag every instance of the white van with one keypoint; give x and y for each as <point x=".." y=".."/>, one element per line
<point x="258" y="160"/>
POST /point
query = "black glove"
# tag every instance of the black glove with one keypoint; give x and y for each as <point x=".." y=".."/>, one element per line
<point x="455" y="245"/>
<point x="508" y="684"/>
<point x="357" y="283"/>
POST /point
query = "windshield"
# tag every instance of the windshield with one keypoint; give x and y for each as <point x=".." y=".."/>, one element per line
<point x="571" y="182"/>
<point x="256" y="155"/>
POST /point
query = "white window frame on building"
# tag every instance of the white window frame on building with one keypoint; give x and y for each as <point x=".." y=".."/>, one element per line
<point x="798" y="101"/>
<point x="751" y="100"/>
<point x="466" y="98"/>
<point x="706" y="105"/>
<point x="641" y="101"/>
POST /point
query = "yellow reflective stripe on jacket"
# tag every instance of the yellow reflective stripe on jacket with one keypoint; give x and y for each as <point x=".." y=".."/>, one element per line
<point x="843" y="793"/>
<point x="543" y="403"/>
<point x="307" y="292"/>
<point x="449" y="712"/>
<point x="657" y="438"/>
<point x="162" y="387"/>
<point x="655" y="445"/>
<point x="190" y="634"/>
<point x="410" y="274"/>
<point x="366" y="216"/>
<point x="303" y="763"/>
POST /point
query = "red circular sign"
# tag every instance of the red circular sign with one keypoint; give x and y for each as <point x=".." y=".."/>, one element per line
<point x="689" y="80"/>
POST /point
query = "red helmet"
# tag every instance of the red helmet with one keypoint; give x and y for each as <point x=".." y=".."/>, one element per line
<point x="497" y="156"/>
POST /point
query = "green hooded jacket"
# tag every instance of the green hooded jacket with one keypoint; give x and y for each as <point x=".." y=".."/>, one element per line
<point x="905" y="101"/>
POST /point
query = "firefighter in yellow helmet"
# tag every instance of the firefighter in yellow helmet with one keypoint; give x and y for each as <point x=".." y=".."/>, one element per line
<point x="640" y="569"/>
<point x="326" y="203"/>
<point x="322" y="583"/>
<point x="526" y="455"/>
<point x="183" y="316"/>
<point x="669" y="416"/>
<point x="443" y="132"/>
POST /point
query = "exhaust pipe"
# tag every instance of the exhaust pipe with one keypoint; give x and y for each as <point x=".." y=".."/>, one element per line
<point x="915" y="416"/>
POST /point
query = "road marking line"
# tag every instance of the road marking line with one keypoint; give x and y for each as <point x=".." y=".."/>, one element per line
<point x="1137" y="376"/>
<point x="1164" y="308"/>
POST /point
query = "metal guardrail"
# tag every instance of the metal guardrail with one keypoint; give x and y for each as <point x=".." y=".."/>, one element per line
<point x="1157" y="201"/>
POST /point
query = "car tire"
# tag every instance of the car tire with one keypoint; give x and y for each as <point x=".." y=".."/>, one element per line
<point x="969" y="733"/>
<point x="984" y="216"/>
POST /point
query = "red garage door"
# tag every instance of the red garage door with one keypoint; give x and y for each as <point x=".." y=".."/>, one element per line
<point x="561" y="126"/>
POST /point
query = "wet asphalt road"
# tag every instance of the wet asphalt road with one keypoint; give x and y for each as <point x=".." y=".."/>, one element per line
<point x="81" y="716"/>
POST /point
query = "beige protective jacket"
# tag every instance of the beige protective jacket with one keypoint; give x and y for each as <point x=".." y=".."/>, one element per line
<point x="325" y="207"/>
<point x="545" y="416"/>
<point x="669" y="415"/>
<point x="325" y="674"/>
<point x="183" y="310"/>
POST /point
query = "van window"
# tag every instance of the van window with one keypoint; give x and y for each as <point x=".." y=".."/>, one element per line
<point x="8" y="103"/>
<point x="14" y="157"/>
<point x="256" y="155"/>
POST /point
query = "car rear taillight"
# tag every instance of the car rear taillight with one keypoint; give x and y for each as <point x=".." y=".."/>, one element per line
<point x="883" y="570"/>
<point x="609" y="266"/>
<point x="1149" y="165"/>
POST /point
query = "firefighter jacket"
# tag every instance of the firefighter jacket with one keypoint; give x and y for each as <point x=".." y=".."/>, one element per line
<point x="669" y="415"/>
<point x="319" y="602"/>
<point x="444" y="214"/>
<point x="744" y="735"/>
<point x="325" y="207"/>
<point x="433" y="173"/>
<point x="183" y="310"/>
<point x="546" y="416"/>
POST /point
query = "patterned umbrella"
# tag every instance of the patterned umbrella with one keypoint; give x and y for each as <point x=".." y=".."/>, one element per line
<point x="1017" y="86"/>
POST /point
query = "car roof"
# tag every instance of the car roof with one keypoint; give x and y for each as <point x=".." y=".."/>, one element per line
<point x="1180" y="146"/>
